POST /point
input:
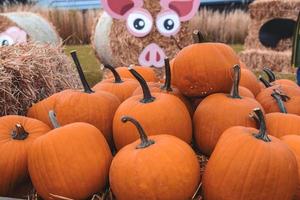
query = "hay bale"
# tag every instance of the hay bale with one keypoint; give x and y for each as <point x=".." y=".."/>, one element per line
<point x="277" y="61"/>
<point x="31" y="72"/>
<point x="37" y="28"/>
<point x="116" y="46"/>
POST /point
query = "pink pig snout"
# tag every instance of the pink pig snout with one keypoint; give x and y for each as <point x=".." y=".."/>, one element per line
<point x="152" y="55"/>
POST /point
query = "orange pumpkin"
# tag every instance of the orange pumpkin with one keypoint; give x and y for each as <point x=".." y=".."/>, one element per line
<point x="293" y="141"/>
<point x="249" y="80"/>
<point x="71" y="161"/>
<point x="17" y="134"/>
<point x="147" y="72"/>
<point x="264" y="164"/>
<point x="96" y="108"/>
<point x="166" y="87"/>
<point x="245" y="92"/>
<point x="218" y="112"/>
<point x="158" y="167"/>
<point x="121" y="88"/>
<point x="203" y="69"/>
<point x="41" y="109"/>
<point x="157" y="112"/>
<point x="272" y="79"/>
<point x="287" y="93"/>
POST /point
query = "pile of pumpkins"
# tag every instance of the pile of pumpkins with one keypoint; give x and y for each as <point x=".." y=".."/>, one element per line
<point x="134" y="133"/>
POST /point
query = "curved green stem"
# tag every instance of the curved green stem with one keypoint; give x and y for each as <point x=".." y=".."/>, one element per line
<point x="114" y="72"/>
<point x="167" y="86"/>
<point x="19" y="133"/>
<point x="53" y="119"/>
<point x="145" y="142"/>
<point x="262" y="134"/>
<point x="85" y="84"/>
<point x="265" y="82"/>
<point x="279" y="101"/>
<point x="236" y="81"/>
<point x="270" y="74"/>
<point x="148" y="98"/>
<point x="198" y="37"/>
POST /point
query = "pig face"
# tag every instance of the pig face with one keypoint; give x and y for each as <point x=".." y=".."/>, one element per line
<point x="150" y="28"/>
<point x="12" y="35"/>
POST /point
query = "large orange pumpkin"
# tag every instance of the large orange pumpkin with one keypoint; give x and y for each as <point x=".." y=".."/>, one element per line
<point x="158" y="113"/>
<point x="247" y="164"/>
<point x="121" y="88"/>
<point x="96" y="108"/>
<point x="159" y="167"/>
<point x="17" y="134"/>
<point x="293" y="141"/>
<point x="203" y="69"/>
<point x="218" y="112"/>
<point x="71" y="161"/>
<point x="166" y="87"/>
<point x="147" y="72"/>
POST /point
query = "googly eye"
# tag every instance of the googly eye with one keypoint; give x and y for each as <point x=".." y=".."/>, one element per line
<point x="139" y="23"/>
<point x="168" y="23"/>
<point x="5" y="40"/>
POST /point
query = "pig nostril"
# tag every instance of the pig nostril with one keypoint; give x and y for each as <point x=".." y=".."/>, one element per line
<point x="158" y="57"/>
<point x="148" y="56"/>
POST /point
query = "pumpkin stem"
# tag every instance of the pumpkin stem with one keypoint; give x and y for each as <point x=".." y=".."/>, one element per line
<point x="236" y="81"/>
<point x="143" y="136"/>
<point x="19" y="133"/>
<point x="283" y="96"/>
<point x="262" y="134"/>
<point x="115" y="73"/>
<point x="53" y="119"/>
<point x="85" y="84"/>
<point x="148" y="98"/>
<point x="279" y="101"/>
<point x="198" y="37"/>
<point x="270" y="74"/>
<point x="167" y="86"/>
<point x="265" y="82"/>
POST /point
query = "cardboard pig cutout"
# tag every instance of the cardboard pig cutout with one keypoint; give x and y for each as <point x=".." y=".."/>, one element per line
<point x="143" y="32"/>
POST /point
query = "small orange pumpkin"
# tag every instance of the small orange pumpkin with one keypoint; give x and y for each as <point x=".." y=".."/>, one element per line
<point x="121" y="88"/>
<point x="264" y="164"/>
<point x="249" y="80"/>
<point x="157" y="112"/>
<point x="17" y="134"/>
<point x="203" y="69"/>
<point x="96" y="108"/>
<point x="218" y="112"/>
<point x="71" y="161"/>
<point x="158" y="167"/>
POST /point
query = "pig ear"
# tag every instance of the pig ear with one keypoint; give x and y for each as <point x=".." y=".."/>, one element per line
<point x="118" y="9"/>
<point x="186" y="9"/>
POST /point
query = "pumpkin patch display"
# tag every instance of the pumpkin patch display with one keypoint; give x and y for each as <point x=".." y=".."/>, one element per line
<point x="157" y="113"/>
<point x="218" y="112"/>
<point x="197" y="72"/>
<point x="71" y="161"/>
<point x="17" y="133"/>
<point x="159" y="167"/>
<point x="96" y="108"/>
<point x="255" y="158"/>
<point x="121" y="88"/>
